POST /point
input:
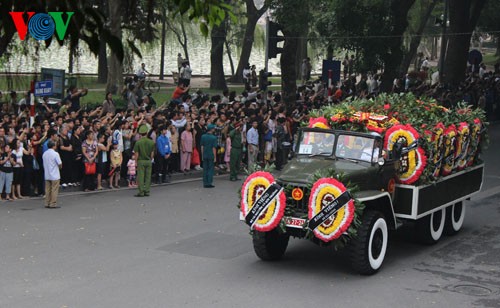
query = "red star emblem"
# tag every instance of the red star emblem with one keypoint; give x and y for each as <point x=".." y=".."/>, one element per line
<point x="297" y="194"/>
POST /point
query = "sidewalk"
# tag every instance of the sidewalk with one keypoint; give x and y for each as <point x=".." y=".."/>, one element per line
<point x="197" y="82"/>
<point x="176" y="178"/>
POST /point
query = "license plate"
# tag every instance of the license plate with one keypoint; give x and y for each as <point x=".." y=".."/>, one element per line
<point x="293" y="222"/>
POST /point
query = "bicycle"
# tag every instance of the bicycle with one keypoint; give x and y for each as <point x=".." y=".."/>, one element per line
<point x="152" y="86"/>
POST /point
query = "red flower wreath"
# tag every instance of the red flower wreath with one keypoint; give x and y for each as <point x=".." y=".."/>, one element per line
<point x="326" y="190"/>
<point x="255" y="184"/>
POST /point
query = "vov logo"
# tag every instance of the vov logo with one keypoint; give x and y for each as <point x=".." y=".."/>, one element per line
<point x="41" y="26"/>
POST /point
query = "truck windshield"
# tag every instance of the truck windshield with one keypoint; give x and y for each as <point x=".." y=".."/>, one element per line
<point x="316" y="143"/>
<point x="357" y="147"/>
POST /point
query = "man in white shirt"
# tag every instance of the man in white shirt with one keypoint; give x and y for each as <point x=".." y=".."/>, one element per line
<point x="185" y="73"/>
<point x="253" y="144"/>
<point x="51" y="164"/>
<point x="435" y="78"/>
<point x="425" y="64"/>
<point x="141" y="72"/>
<point x="118" y="134"/>
<point x="247" y="74"/>
<point x="482" y="70"/>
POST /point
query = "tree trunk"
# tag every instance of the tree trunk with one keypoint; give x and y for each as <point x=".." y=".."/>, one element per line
<point x="288" y="71"/>
<point x="392" y="59"/>
<point x="218" y="37"/>
<point x="70" y="61"/>
<point x="231" y="63"/>
<point x="253" y="16"/>
<point x="434" y="48"/>
<point x="102" y="64"/>
<point x="180" y="35"/>
<point x="416" y="38"/>
<point x="115" y="72"/>
<point x="162" y="54"/>
<point x="329" y="52"/>
<point x="184" y="40"/>
<point x="302" y="43"/>
<point x="463" y="19"/>
<point x="301" y="54"/>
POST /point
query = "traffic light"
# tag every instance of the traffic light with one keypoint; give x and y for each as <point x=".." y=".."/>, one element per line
<point x="273" y="39"/>
<point x="263" y="80"/>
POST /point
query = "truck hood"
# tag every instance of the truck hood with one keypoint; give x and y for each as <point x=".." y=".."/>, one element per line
<point x="302" y="169"/>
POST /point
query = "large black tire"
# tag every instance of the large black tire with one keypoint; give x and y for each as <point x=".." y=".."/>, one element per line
<point x="430" y="228"/>
<point x="270" y="246"/>
<point x="368" y="248"/>
<point x="455" y="215"/>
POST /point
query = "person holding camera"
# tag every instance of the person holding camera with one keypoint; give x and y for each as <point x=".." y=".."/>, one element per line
<point x="74" y="95"/>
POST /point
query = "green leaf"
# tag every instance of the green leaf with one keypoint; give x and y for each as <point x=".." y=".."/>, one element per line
<point x="204" y="29"/>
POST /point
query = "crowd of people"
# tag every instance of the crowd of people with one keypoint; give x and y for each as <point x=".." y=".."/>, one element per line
<point x="481" y="88"/>
<point x="96" y="144"/>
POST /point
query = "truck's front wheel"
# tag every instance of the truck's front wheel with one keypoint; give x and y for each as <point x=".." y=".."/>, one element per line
<point x="368" y="248"/>
<point x="430" y="228"/>
<point x="455" y="215"/>
<point x="270" y="246"/>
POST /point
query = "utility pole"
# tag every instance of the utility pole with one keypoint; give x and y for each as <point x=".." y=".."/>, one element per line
<point x="267" y="44"/>
<point x="163" y="34"/>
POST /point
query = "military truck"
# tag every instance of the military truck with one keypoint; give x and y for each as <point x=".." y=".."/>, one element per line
<point x="434" y="209"/>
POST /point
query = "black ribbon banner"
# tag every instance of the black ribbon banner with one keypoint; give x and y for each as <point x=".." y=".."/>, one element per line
<point x="327" y="211"/>
<point x="262" y="203"/>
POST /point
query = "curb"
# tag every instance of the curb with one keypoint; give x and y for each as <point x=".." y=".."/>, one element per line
<point x="126" y="188"/>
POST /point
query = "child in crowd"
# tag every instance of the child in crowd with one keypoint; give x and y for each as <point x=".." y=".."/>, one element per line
<point x="102" y="158"/>
<point x="116" y="162"/>
<point x="227" y="154"/>
<point x="131" y="172"/>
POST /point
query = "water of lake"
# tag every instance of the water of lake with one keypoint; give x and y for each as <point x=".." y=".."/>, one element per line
<point x="199" y="53"/>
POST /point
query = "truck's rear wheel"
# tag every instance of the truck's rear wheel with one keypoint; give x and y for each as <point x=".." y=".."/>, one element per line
<point x="455" y="215"/>
<point x="430" y="228"/>
<point x="368" y="248"/>
<point x="270" y="246"/>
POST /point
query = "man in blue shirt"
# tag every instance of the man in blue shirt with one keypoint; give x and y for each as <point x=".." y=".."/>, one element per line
<point x="51" y="135"/>
<point x="208" y="149"/>
<point x="163" y="152"/>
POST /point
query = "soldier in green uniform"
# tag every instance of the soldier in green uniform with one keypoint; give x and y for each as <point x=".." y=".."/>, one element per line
<point x="236" y="146"/>
<point x="208" y="149"/>
<point x="143" y="155"/>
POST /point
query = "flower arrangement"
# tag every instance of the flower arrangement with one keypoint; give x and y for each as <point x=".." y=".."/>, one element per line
<point x="343" y="225"/>
<point x="450" y="135"/>
<point x="450" y="138"/>
<point x="319" y="122"/>
<point x="475" y="138"/>
<point x="463" y="139"/>
<point x="413" y="162"/>
<point x="324" y="191"/>
<point x="254" y="186"/>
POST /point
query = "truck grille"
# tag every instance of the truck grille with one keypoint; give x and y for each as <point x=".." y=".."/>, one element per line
<point x="296" y="205"/>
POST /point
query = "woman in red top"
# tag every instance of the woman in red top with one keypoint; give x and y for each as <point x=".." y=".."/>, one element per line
<point x="179" y="91"/>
